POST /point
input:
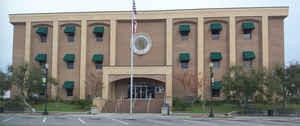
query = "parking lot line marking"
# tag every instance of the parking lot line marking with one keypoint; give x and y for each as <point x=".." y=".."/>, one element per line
<point x="10" y="118"/>
<point x="82" y="121"/>
<point x="159" y="122"/>
<point x="120" y="121"/>
<point x="240" y="122"/>
<point x="201" y="122"/>
<point x="44" y="119"/>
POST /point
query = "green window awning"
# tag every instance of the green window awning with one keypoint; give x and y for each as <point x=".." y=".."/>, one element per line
<point x="215" y="56"/>
<point x="184" y="57"/>
<point x="184" y="28"/>
<point x="216" y="85"/>
<point x="68" y="84"/>
<point x="41" y="58"/>
<point x="216" y="27"/>
<point x="42" y="30"/>
<point x="70" y="29"/>
<point x="248" y="26"/>
<point x="98" y="58"/>
<point x="69" y="57"/>
<point x="248" y="55"/>
<point x="98" y="30"/>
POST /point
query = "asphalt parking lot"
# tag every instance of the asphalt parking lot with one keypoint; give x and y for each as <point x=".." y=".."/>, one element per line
<point x="139" y="120"/>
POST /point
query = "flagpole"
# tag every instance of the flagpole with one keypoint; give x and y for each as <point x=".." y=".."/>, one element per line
<point x="131" y="69"/>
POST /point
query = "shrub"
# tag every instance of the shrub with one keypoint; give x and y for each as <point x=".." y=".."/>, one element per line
<point x="14" y="103"/>
<point x="198" y="102"/>
<point x="37" y="99"/>
<point x="83" y="103"/>
<point x="222" y="102"/>
<point x="259" y="98"/>
<point x="294" y="100"/>
<point x="2" y="103"/>
<point x="180" y="105"/>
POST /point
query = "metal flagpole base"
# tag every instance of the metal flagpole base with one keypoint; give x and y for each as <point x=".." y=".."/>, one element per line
<point x="131" y="117"/>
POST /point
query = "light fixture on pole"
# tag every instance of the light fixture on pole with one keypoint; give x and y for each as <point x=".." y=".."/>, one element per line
<point x="44" y="79"/>
<point x="211" y="113"/>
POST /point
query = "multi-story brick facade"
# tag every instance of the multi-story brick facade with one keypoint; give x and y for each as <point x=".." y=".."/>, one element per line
<point x="89" y="53"/>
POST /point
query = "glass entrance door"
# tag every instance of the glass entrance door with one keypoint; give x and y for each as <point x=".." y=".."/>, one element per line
<point x="142" y="90"/>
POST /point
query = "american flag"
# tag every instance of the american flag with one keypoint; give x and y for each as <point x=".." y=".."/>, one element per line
<point x="134" y="17"/>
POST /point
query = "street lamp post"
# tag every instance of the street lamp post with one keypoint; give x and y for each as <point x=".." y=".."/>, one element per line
<point x="45" y="76"/>
<point x="211" y="113"/>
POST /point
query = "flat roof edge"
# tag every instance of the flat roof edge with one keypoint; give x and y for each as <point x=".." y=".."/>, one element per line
<point x="283" y="7"/>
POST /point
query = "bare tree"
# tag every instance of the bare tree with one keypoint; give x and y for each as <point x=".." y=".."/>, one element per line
<point x="95" y="79"/>
<point x="189" y="81"/>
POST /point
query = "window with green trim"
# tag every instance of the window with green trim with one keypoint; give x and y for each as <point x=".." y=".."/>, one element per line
<point x="71" y="38"/>
<point x="99" y="66"/>
<point x="248" y="27"/>
<point x="42" y="64"/>
<point x="184" y="31"/>
<point x="248" y="57"/>
<point x="184" y="65"/>
<point x="70" y="65"/>
<point x="184" y="59"/>
<point x="99" y="37"/>
<point x="247" y="36"/>
<point x="248" y="63"/>
<point x="184" y="37"/>
<point x="98" y="60"/>
<point x="70" y="32"/>
<point x="43" y="38"/>
<point x="99" y="31"/>
<point x="69" y="59"/>
<point x="215" y="36"/>
<point x="41" y="59"/>
<point x="215" y="31"/>
<point x="69" y="91"/>
<point x="216" y="64"/>
<point x="42" y="32"/>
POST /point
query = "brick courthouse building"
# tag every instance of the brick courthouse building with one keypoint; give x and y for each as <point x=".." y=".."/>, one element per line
<point x="89" y="52"/>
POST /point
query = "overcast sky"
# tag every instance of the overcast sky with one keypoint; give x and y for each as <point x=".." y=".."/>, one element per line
<point x="292" y="25"/>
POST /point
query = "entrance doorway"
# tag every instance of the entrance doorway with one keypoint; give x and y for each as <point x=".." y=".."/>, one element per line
<point x="148" y="95"/>
<point x="142" y="90"/>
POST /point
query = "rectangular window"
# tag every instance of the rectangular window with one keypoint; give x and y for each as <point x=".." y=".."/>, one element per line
<point x="43" y="38"/>
<point x="184" y="37"/>
<point x="71" y="37"/>
<point x="142" y="90"/>
<point x="248" y="36"/>
<point x="99" y="65"/>
<point x="70" y="65"/>
<point x="216" y="64"/>
<point x="69" y="91"/>
<point x="42" y="64"/>
<point x="184" y="65"/>
<point x="215" y="93"/>
<point x="248" y="63"/>
<point x="215" y="36"/>
<point x="99" y="37"/>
